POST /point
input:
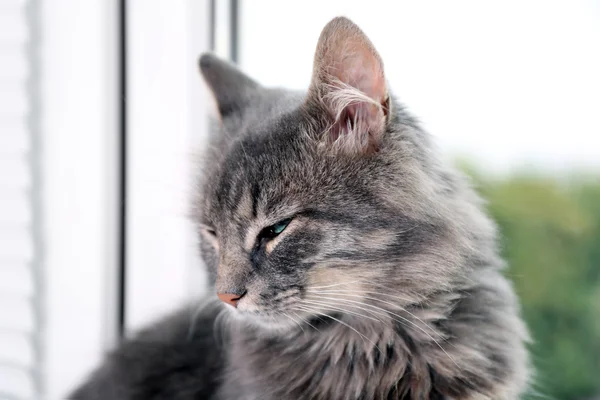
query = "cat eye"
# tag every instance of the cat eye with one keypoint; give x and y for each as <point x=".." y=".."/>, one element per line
<point x="210" y="231"/>
<point x="274" y="230"/>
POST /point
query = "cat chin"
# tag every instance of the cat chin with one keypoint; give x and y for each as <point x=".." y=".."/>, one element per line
<point x="274" y="323"/>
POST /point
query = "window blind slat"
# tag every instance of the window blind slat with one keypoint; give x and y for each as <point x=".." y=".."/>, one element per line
<point x="18" y="290"/>
<point x="14" y="140"/>
<point x="13" y="99"/>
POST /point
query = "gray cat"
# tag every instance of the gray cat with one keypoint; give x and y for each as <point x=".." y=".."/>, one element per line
<point x="350" y="261"/>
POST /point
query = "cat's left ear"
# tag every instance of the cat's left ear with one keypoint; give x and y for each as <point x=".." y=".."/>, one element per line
<point x="349" y="84"/>
<point x="233" y="90"/>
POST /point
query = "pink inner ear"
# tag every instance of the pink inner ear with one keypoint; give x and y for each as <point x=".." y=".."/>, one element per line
<point x="362" y="69"/>
<point x="357" y="128"/>
<point x="348" y="80"/>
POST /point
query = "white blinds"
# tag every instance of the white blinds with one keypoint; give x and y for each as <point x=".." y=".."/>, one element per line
<point x="19" y="260"/>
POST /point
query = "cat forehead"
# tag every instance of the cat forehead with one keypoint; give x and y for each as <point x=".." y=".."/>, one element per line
<point x="262" y="169"/>
<point x="265" y="107"/>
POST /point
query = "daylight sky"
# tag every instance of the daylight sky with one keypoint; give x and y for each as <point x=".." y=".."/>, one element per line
<point x="507" y="83"/>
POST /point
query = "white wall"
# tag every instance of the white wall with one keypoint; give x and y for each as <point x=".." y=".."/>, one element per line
<point x="166" y="124"/>
<point x="166" y="130"/>
<point x="77" y="129"/>
<point x="505" y="82"/>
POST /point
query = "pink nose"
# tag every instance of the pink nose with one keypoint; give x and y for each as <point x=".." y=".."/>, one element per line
<point x="229" y="298"/>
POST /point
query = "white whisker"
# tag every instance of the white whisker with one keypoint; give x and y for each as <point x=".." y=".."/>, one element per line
<point x="218" y="328"/>
<point x="343" y="323"/>
<point x="352" y="294"/>
<point x="306" y="322"/>
<point x="399" y="316"/>
<point x="336" y="284"/>
<point x="297" y="323"/>
<point x="406" y="299"/>
<point x="336" y="308"/>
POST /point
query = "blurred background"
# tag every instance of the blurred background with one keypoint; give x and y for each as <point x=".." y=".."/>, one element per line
<point x="102" y="113"/>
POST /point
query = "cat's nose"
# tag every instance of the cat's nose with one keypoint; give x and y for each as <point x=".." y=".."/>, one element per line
<point x="230" y="298"/>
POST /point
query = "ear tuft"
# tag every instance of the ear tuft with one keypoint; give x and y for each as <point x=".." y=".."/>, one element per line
<point x="348" y="81"/>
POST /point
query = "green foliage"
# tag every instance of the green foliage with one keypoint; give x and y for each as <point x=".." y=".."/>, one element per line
<point x="551" y="239"/>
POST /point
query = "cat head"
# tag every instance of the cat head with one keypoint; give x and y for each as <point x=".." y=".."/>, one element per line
<point x="328" y="194"/>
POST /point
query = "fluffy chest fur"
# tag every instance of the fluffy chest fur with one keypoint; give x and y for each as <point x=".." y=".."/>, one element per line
<point x="450" y="348"/>
<point x="334" y="362"/>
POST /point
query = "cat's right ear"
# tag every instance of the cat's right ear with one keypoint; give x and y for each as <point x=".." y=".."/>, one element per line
<point x="349" y="86"/>
<point x="231" y="88"/>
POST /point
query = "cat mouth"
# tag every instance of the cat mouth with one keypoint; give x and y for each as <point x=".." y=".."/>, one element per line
<point x="285" y="310"/>
<point x="288" y="318"/>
